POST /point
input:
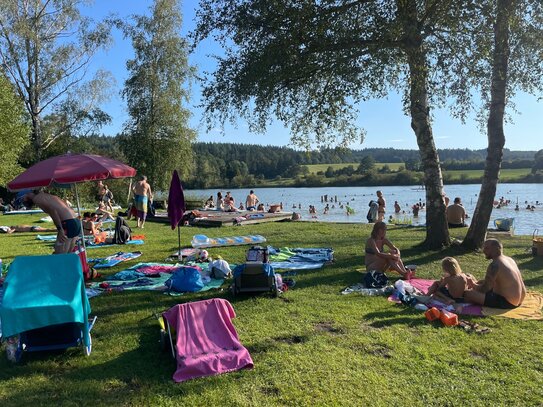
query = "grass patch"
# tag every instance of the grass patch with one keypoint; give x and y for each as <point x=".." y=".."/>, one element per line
<point x="315" y="168"/>
<point x="314" y="346"/>
<point x="505" y="174"/>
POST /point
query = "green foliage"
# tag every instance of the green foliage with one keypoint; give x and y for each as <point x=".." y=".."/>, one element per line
<point x="313" y="346"/>
<point x="14" y="131"/>
<point x="156" y="139"/>
<point x="46" y="47"/>
<point x="538" y="162"/>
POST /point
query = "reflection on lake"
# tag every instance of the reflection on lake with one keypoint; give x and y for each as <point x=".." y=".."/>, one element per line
<point x="358" y="198"/>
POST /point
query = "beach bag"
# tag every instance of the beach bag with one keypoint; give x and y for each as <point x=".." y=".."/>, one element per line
<point x="185" y="279"/>
<point x="220" y="269"/>
<point x="258" y="254"/>
<point x="375" y="279"/>
<point x="122" y="231"/>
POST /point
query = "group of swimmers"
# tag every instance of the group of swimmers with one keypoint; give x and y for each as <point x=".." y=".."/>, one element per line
<point x="502" y="286"/>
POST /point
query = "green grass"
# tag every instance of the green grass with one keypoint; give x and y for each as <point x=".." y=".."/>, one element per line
<point x="314" y="168"/>
<point x="505" y="174"/>
<point x="313" y="346"/>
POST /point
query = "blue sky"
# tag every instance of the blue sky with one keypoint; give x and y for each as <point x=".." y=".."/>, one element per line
<point x="383" y="119"/>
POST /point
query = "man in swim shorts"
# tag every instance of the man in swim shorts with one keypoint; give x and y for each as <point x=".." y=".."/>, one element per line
<point x="502" y="286"/>
<point x="65" y="219"/>
<point x="142" y="192"/>
<point x="251" y="201"/>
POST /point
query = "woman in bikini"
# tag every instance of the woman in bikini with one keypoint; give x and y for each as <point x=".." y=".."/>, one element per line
<point x="377" y="258"/>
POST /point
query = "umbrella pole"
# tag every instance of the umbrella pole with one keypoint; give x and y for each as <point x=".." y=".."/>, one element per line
<point x="80" y="219"/>
<point x="179" y="257"/>
<point x="129" y="190"/>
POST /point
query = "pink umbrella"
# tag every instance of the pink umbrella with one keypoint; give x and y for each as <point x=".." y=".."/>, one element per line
<point x="70" y="169"/>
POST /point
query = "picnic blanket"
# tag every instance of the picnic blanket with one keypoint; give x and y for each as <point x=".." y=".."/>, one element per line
<point x="207" y="343"/>
<point x="530" y="309"/>
<point x="149" y="277"/>
<point x="299" y="258"/>
<point x="114" y="259"/>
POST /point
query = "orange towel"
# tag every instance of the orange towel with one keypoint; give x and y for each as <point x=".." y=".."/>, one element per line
<point x="529" y="309"/>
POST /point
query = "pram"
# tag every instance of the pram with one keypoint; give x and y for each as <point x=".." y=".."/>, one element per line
<point x="254" y="277"/>
<point x="45" y="305"/>
<point x="203" y="339"/>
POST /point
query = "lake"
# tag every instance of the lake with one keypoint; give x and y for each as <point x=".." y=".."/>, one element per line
<point x="358" y="198"/>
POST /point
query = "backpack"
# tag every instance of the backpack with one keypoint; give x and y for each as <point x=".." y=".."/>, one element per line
<point x="185" y="279"/>
<point x="375" y="279"/>
<point x="122" y="231"/>
<point x="258" y="254"/>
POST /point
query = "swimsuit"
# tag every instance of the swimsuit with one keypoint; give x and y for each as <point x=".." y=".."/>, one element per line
<point x="71" y="227"/>
<point x="445" y="291"/>
<point x="497" y="301"/>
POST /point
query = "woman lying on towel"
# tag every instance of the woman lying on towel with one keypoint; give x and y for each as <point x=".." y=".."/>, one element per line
<point x="377" y="258"/>
<point x="25" y="228"/>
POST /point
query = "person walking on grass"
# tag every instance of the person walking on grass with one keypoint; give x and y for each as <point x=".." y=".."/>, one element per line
<point x="142" y="196"/>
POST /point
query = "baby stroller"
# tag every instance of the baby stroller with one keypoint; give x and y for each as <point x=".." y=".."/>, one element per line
<point x="45" y="305"/>
<point x="256" y="275"/>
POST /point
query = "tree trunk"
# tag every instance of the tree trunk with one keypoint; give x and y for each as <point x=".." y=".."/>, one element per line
<point x="437" y="231"/>
<point x="496" y="138"/>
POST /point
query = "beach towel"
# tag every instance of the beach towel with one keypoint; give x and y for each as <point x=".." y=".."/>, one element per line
<point x="206" y="342"/>
<point x="529" y="309"/>
<point x="140" y="202"/>
<point x="114" y="259"/>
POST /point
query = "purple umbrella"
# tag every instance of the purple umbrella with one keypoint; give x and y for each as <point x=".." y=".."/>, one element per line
<point x="176" y="205"/>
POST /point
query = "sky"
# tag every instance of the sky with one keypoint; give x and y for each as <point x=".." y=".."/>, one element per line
<point x="383" y="119"/>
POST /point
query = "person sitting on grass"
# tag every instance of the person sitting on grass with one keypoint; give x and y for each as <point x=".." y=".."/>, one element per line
<point x="377" y="258"/>
<point x="89" y="229"/>
<point x="502" y="286"/>
<point x="103" y="213"/>
<point x="450" y="289"/>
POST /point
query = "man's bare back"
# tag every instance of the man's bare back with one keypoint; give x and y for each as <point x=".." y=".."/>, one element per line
<point x="54" y="206"/>
<point x="508" y="282"/>
<point x="142" y="188"/>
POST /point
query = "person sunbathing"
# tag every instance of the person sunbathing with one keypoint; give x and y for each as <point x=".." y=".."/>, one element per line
<point x="377" y="258"/>
<point x="450" y="288"/>
<point x="103" y="213"/>
<point x="89" y="228"/>
<point x="25" y="228"/>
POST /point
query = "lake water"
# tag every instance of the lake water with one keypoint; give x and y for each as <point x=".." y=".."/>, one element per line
<point x="358" y="198"/>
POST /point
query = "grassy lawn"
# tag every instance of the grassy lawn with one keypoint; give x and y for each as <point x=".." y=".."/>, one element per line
<point x="313" y="346"/>
<point x="314" y="168"/>
<point x="505" y="174"/>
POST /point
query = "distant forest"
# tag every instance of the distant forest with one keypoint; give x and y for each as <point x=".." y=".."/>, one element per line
<point x="237" y="165"/>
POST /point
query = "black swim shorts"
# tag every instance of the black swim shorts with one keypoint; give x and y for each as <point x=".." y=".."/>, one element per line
<point x="445" y="291"/>
<point x="71" y="227"/>
<point x="497" y="301"/>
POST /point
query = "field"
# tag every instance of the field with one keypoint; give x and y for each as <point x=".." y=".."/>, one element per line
<point x="315" y="168"/>
<point x="312" y="346"/>
<point x="505" y="174"/>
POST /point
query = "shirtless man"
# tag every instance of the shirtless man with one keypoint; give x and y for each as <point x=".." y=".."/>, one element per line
<point x="251" y="201"/>
<point x="456" y="214"/>
<point x="65" y="219"/>
<point x="102" y="189"/>
<point x="142" y="192"/>
<point x="503" y="286"/>
<point x="381" y="209"/>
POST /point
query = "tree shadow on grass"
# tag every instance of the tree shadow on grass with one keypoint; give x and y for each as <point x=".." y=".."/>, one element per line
<point x="383" y="319"/>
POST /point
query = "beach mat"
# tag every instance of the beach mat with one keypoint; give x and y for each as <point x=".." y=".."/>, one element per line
<point x="113" y="260"/>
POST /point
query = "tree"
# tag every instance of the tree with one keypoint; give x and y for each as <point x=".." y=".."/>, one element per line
<point x="45" y="48"/>
<point x="14" y="130"/>
<point x="538" y="162"/>
<point x="156" y="139"/>
<point x="305" y="62"/>
<point x="518" y="41"/>
<point x="366" y="164"/>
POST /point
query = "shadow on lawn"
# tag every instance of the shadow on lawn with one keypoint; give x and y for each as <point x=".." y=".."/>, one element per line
<point x="383" y="319"/>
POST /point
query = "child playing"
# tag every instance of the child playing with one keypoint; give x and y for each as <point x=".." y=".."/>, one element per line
<point x="450" y="289"/>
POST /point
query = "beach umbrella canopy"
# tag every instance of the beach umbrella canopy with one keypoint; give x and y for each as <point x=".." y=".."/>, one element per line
<point x="70" y="169"/>
<point x="176" y="200"/>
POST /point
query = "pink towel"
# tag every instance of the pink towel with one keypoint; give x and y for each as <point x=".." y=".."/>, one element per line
<point x="207" y="343"/>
